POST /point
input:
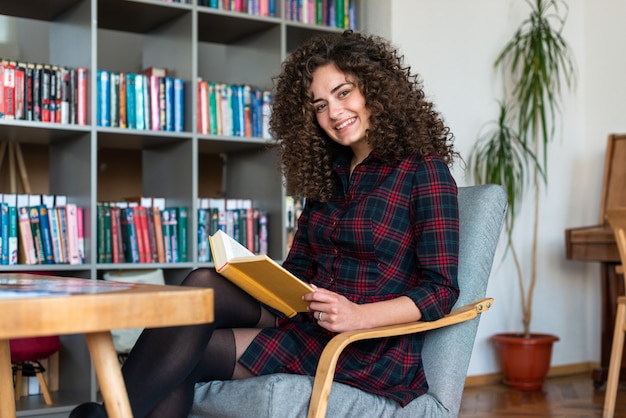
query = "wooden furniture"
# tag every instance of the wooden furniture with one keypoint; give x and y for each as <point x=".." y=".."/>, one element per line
<point x="33" y="305"/>
<point x="26" y="357"/>
<point x="332" y="351"/>
<point x="91" y="163"/>
<point x="597" y="244"/>
<point x="617" y="219"/>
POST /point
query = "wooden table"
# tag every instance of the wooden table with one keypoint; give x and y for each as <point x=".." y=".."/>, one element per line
<point x="33" y="305"/>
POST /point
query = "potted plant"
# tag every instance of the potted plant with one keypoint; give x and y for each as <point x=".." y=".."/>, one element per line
<point x="513" y="151"/>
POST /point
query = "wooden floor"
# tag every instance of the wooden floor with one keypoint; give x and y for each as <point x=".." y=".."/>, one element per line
<point x="561" y="397"/>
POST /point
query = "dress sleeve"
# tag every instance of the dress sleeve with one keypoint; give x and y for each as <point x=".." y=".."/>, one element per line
<point x="435" y="223"/>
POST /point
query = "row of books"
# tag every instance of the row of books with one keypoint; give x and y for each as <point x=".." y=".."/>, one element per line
<point x="40" y="229"/>
<point x="253" y="7"/>
<point x="333" y="13"/>
<point x="233" y="110"/>
<point x="142" y="230"/>
<point x="151" y="100"/>
<point x="239" y="218"/>
<point x="43" y="93"/>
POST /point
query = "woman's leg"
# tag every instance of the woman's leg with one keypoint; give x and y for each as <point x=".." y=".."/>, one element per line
<point x="165" y="363"/>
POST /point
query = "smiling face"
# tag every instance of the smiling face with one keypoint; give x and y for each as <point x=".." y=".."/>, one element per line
<point x="340" y="109"/>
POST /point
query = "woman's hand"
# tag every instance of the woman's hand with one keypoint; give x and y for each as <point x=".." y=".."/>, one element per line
<point x="333" y="311"/>
<point x="336" y="313"/>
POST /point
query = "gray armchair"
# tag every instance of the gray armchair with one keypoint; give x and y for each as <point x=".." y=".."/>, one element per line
<point x="446" y="352"/>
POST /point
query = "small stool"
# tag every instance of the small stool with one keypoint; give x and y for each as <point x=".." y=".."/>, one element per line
<point x="26" y="354"/>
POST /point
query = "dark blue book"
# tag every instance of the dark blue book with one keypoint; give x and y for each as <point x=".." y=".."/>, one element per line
<point x="46" y="236"/>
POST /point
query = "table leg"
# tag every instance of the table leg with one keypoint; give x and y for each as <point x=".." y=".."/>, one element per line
<point x="7" y="394"/>
<point x="109" y="374"/>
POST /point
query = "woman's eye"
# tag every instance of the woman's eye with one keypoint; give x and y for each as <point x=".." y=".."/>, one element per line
<point x="320" y="108"/>
<point x="344" y="93"/>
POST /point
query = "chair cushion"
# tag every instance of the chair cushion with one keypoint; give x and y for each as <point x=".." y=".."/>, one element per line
<point x="36" y="348"/>
<point x="287" y="396"/>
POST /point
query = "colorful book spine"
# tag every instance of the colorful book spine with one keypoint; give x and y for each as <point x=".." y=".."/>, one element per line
<point x="25" y="238"/>
<point x="72" y="233"/>
<point x="46" y="236"/>
<point x="182" y="229"/>
<point x="4" y="233"/>
<point x="179" y="105"/>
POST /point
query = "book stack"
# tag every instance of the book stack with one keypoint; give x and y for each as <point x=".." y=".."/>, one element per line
<point x="43" y="93"/>
<point x="238" y="218"/>
<point x="233" y="110"/>
<point x="40" y="229"/>
<point x="333" y="13"/>
<point x="151" y="100"/>
<point x="253" y="7"/>
<point x="142" y="230"/>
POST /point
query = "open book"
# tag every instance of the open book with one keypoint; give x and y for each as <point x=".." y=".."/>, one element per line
<point x="258" y="275"/>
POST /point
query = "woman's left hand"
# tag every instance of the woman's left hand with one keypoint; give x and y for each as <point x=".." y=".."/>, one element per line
<point x="333" y="311"/>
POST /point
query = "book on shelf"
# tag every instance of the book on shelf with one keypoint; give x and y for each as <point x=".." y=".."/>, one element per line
<point x="39" y="92"/>
<point x="259" y="275"/>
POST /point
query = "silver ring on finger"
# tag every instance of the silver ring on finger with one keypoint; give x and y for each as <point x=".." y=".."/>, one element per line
<point x="319" y="316"/>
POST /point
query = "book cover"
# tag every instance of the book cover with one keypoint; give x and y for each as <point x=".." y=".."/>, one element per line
<point x="155" y="108"/>
<point x="130" y="102"/>
<point x="20" y="99"/>
<point x="46" y="236"/>
<point x="26" y="244"/>
<point x="169" y="104"/>
<point x="179" y="105"/>
<point x="44" y="85"/>
<point x="13" y="242"/>
<point x="33" y="213"/>
<point x="81" y="96"/>
<point x="203" y="235"/>
<point x="115" y="231"/>
<point x="103" y="112"/>
<point x="141" y="232"/>
<point x="4" y="233"/>
<point x="80" y="233"/>
<point x="62" y="219"/>
<point x="140" y="117"/>
<point x="183" y="255"/>
<point x="9" y="90"/>
<point x="158" y="204"/>
<point x="114" y="103"/>
<point x="167" y="234"/>
<point x="72" y="233"/>
<point x="55" y="235"/>
<point x="259" y="275"/>
<point x="129" y="235"/>
<point x="123" y="106"/>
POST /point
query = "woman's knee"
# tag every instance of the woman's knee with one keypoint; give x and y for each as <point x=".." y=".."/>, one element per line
<point x="203" y="277"/>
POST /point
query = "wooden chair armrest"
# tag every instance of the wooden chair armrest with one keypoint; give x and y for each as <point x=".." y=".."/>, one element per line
<point x="328" y="360"/>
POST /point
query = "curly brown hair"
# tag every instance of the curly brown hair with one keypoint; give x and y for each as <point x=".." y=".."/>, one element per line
<point x="402" y="121"/>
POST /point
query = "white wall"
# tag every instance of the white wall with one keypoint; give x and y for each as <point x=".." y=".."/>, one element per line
<point x="452" y="44"/>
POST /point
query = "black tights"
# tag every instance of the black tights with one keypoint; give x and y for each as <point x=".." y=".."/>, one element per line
<point x="165" y="363"/>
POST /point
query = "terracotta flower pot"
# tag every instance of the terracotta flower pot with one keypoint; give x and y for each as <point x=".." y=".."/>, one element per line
<point x="524" y="361"/>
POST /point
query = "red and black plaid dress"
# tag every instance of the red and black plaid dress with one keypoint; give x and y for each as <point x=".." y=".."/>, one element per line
<point x="390" y="230"/>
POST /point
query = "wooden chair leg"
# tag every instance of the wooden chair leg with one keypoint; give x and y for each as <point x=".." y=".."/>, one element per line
<point x="615" y="361"/>
<point x="18" y="383"/>
<point x="44" y="388"/>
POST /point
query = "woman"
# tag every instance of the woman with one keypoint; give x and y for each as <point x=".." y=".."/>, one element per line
<point x="377" y="239"/>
